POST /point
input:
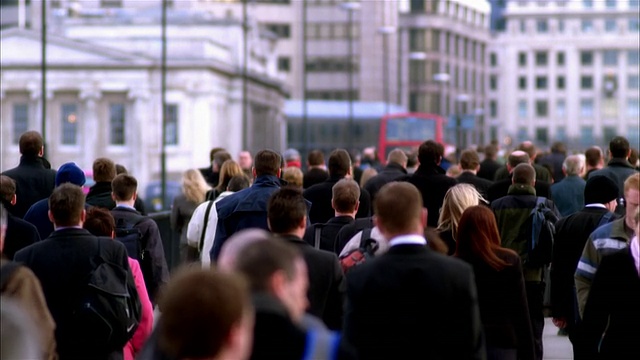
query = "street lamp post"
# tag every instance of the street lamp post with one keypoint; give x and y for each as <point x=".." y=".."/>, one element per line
<point x="386" y="31"/>
<point x="461" y="99"/>
<point x="350" y="7"/>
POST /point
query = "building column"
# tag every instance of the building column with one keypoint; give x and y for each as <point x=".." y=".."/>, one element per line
<point x="90" y="127"/>
<point x="139" y="140"/>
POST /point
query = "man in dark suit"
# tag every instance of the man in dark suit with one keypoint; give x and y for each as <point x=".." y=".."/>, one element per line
<point x="489" y="165"/>
<point x="287" y="218"/>
<point x="19" y="233"/>
<point x="501" y="187"/>
<point x="395" y="169"/>
<point x="470" y="164"/>
<point x="33" y="180"/>
<point x="406" y="303"/>
<point x="320" y="194"/>
<point x="316" y="169"/>
<point x="62" y="263"/>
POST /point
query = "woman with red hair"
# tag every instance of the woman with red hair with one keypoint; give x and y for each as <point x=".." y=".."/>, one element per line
<point x="501" y="292"/>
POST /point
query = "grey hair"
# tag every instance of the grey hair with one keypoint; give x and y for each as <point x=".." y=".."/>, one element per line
<point x="573" y="165"/>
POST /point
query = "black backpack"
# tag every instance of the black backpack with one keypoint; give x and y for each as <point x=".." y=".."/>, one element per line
<point x="127" y="233"/>
<point x="108" y="311"/>
<point x="539" y="249"/>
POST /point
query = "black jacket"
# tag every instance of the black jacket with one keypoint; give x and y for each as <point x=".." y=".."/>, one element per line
<point x="488" y="169"/>
<point x="482" y="185"/>
<point x="320" y="197"/>
<point x="433" y="185"/>
<point x="411" y="287"/>
<point x="329" y="233"/>
<point x="500" y="189"/>
<point x="314" y="176"/>
<point x="326" y="282"/>
<point x="100" y="195"/>
<point x="33" y="182"/>
<point x="19" y="235"/>
<point x="62" y="262"/>
<point x="390" y="173"/>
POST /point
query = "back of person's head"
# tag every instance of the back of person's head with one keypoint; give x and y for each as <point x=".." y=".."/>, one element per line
<point x="267" y="162"/>
<point x="219" y="158"/>
<point x="457" y="199"/>
<point x="291" y="154"/>
<point x="194" y="186"/>
<point x="66" y="205"/>
<point x="293" y="176"/>
<point x="31" y="143"/>
<point x="99" y="222"/>
<point x="104" y="170"/>
<point x="412" y="159"/>
<point x="573" y="165"/>
<point x="518" y="157"/>
<point x="634" y="157"/>
<point x="236" y="242"/>
<point x="339" y="163"/>
<point x="524" y="174"/>
<point x="397" y="156"/>
<point x="632" y="183"/>
<point x="7" y="189"/>
<point x="228" y="170"/>
<point x="619" y="147"/>
<point x="213" y="153"/>
<point x="286" y="210"/>
<point x="478" y="237"/>
<point x="315" y="158"/>
<point x="453" y="171"/>
<point x="345" y="196"/>
<point x="430" y="153"/>
<point x="491" y="152"/>
<point x="398" y="209"/>
<point x="124" y="187"/>
<point x="559" y="148"/>
<point x="469" y="160"/>
<point x="238" y="182"/>
<point x="367" y="174"/>
<point x="120" y="169"/>
<point x="600" y="189"/>
<point x="205" y="313"/>
<point x="70" y="172"/>
<point x="529" y="148"/>
<point x="593" y="156"/>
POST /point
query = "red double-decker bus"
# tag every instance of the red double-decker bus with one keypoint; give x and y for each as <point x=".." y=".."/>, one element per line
<point x="407" y="131"/>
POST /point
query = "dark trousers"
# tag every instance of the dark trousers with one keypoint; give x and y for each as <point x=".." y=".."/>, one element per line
<point x="535" y="298"/>
<point x="188" y="254"/>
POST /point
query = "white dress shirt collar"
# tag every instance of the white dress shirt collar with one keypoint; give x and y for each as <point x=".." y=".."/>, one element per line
<point x="595" y="205"/>
<point x="408" y="240"/>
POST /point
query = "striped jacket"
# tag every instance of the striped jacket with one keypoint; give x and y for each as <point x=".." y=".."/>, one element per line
<point x="605" y="240"/>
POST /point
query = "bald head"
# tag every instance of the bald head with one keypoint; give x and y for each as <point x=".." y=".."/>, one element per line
<point x="524" y="174"/>
<point x="236" y="243"/>
<point x="516" y="158"/>
<point x="529" y="148"/>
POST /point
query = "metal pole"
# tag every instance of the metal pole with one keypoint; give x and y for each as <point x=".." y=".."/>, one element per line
<point x="163" y="89"/>
<point x="305" y="121"/>
<point x="350" y="72"/>
<point x="385" y="65"/>
<point x="44" y="72"/>
<point x="245" y="65"/>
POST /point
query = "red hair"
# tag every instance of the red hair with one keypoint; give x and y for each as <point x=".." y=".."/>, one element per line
<point x="478" y="237"/>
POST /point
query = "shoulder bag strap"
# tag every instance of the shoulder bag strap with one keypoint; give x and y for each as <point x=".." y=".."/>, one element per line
<point x="317" y="235"/>
<point x="366" y="235"/>
<point x="204" y="227"/>
<point x="605" y="218"/>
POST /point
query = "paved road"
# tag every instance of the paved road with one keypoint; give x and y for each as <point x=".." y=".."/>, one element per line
<point x="555" y="347"/>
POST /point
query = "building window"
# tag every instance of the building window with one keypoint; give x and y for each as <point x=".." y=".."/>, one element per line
<point x="542" y="26"/>
<point x="587" y="26"/>
<point x="522" y="109"/>
<point x="561" y="25"/>
<point x="610" y="25"/>
<point x="560" y="83"/>
<point x="586" y="108"/>
<point x="330" y="65"/>
<point x="586" y="58"/>
<point x="542" y="135"/>
<point x="417" y="71"/>
<point x="633" y="82"/>
<point x="522" y="83"/>
<point x="541" y="58"/>
<point x="560" y="58"/>
<point x="634" y="24"/>
<point x="586" y="82"/>
<point x="523" y="134"/>
<point x="522" y="59"/>
<point x="633" y="108"/>
<point x="417" y="6"/>
<point x="493" y="109"/>
<point x="283" y="31"/>
<point x="588" y="4"/>
<point x="417" y="40"/>
<point x="69" y="124"/>
<point x="561" y="133"/>
<point x="561" y="109"/>
<point x="493" y="59"/>
<point x="493" y="82"/>
<point x="284" y="63"/>
<point x="586" y="136"/>
<point x="171" y="134"/>
<point x="633" y="57"/>
<point x="542" y="108"/>
<point x="523" y="26"/>
<point x="20" y="121"/>
<point x="110" y="3"/>
<point x="610" y="58"/>
<point x="541" y="82"/>
<point x="117" y="124"/>
<point x="610" y="4"/>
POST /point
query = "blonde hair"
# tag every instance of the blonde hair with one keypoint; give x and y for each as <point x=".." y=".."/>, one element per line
<point x="632" y="182"/>
<point x="194" y="187"/>
<point x="456" y="201"/>
<point x="293" y="176"/>
<point x="367" y="174"/>
<point x="228" y="170"/>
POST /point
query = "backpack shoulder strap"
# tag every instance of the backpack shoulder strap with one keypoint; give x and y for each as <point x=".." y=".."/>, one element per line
<point x="204" y="226"/>
<point x="7" y="271"/>
<point x="366" y="235"/>
<point x="606" y="218"/>
<point x="317" y="231"/>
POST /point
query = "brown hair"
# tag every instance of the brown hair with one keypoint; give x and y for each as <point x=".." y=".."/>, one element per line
<point x="124" y="186"/>
<point x="339" y="163"/>
<point x="200" y="308"/>
<point x="267" y="162"/>
<point x="593" y="155"/>
<point x="228" y="170"/>
<point x="524" y="174"/>
<point x="430" y="153"/>
<point x="99" y="222"/>
<point x="286" y="209"/>
<point x="345" y="195"/>
<point x="104" y="170"/>
<point x="367" y="174"/>
<point x="293" y="176"/>
<point x="478" y="238"/>
<point x="398" y="205"/>
<point x="435" y="242"/>
<point x="220" y="157"/>
<point x="315" y="158"/>
<point x="66" y="204"/>
<point x="397" y="156"/>
<point x="31" y="143"/>
<point x="7" y="188"/>
<point x="632" y="182"/>
<point x="469" y="160"/>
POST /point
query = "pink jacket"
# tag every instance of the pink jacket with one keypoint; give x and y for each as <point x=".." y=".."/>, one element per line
<point x="146" y="322"/>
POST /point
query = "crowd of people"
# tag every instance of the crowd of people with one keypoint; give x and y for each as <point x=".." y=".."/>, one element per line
<point x="422" y="257"/>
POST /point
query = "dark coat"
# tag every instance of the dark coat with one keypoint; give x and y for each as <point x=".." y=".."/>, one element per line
<point x="244" y="209"/>
<point x="154" y="266"/>
<point x="503" y="305"/>
<point x="617" y="170"/>
<point x="210" y="177"/>
<point x="19" y="235"/>
<point x="482" y="185"/>
<point x="348" y="231"/>
<point x="100" y="195"/>
<point x="62" y="262"/>
<point x="391" y="172"/>
<point x="320" y="197"/>
<point x="500" y="188"/>
<point x="38" y="215"/>
<point x="314" y="176"/>
<point x="329" y="233"/>
<point x="609" y="328"/>
<point x="488" y="169"/>
<point x="568" y="194"/>
<point x="554" y="161"/>
<point x="326" y="283"/>
<point x="433" y="184"/>
<point x="409" y="302"/>
<point x="447" y="237"/>
<point x="571" y="235"/>
<point x="33" y="182"/>
<point x="181" y="213"/>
